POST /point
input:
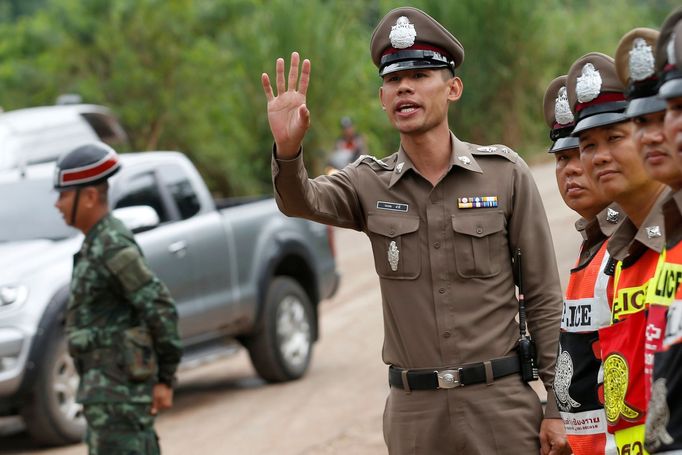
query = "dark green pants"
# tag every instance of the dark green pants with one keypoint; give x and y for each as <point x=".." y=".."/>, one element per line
<point x="120" y="429"/>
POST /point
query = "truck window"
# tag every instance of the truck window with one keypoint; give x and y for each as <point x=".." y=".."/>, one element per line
<point x="142" y="189"/>
<point x="176" y="181"/>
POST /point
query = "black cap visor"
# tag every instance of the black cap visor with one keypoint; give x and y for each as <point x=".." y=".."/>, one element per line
<point x="564" y="143"/>
<point x="597" y="120"/>
<point x="671" y="89"/>
<point x="644" y="106"/>
<point x="414" y="59"/>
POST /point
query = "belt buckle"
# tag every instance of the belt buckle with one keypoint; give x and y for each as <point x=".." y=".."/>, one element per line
<point x="449" y="379"/>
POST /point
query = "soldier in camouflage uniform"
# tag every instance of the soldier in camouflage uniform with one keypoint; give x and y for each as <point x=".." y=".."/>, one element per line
<point x="121" y="320"/>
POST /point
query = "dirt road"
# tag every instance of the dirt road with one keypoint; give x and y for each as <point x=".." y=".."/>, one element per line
<point x="222" y="408"/>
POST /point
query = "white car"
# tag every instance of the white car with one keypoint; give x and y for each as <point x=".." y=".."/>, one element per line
<point x="42" y="134"/>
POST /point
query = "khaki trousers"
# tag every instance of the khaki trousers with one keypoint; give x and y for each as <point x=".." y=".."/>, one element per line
<point x="502" y="418"/>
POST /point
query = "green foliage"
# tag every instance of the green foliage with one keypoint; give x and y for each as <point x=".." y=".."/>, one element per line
<point x="186" y="75"/>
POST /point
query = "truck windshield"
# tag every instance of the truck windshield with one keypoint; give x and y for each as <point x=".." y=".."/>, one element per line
<point x="27" y="211"/>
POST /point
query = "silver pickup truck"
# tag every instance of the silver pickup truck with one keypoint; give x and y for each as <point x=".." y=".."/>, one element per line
<point x="238" y="270"/>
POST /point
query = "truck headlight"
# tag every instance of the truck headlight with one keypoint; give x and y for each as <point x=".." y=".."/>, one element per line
<point x="12" y="294"/>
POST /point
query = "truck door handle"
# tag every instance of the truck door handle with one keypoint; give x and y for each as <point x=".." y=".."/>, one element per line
<point x="178" y="248"/>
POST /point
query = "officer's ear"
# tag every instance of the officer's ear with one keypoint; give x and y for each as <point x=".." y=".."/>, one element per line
<point x="456" y="89"/>
<point x="90" y="196"/>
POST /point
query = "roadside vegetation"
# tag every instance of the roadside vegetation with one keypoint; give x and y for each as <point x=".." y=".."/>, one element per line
<point x="185" y="74"/>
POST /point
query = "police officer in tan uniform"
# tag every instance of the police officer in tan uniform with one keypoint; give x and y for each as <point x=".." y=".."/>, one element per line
<point x="444" y="217"/>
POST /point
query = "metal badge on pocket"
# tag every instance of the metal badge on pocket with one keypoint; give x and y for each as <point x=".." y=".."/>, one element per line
<point x="393" y="255"/>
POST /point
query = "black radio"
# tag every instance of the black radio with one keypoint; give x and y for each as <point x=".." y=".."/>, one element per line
<point x="528" y="356"/>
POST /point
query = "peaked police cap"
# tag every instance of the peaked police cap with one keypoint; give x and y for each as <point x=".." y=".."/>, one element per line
<point x="408" y="38"/>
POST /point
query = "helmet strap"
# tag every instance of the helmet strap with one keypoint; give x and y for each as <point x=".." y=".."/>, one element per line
<point x="74" y="208"/>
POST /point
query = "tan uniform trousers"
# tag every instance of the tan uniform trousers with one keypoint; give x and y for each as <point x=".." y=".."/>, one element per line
<point x="502" y="418"/>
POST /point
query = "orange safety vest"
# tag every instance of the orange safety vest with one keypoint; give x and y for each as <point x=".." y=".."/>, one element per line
<point x="623" y="349"/>
<point x="577" y="383"/>
<point x="664" y="415"/>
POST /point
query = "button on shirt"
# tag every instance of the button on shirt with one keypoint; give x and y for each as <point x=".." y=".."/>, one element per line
<point x="444" y="264"/>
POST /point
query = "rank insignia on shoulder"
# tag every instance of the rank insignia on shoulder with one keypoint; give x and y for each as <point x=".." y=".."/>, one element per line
<point x="496" y="150"/>
<point x="364" y="158"/>
<point x="393" y="206"/>
<point x="476" y="202"/>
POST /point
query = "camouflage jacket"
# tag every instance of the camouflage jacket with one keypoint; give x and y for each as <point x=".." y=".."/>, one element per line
<point x="121" y="320"/>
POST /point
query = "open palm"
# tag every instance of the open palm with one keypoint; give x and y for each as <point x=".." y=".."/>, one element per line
<point x="288" y="115"/>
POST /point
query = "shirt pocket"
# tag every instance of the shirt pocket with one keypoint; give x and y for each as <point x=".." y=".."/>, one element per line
<point x="478" y="239"/>
<point x="395" y="243"/>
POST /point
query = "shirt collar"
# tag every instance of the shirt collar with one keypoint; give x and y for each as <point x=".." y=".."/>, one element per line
<point x="459" y="156"/>
<point x="651" y="233"/>
<point x="672" y="213"/>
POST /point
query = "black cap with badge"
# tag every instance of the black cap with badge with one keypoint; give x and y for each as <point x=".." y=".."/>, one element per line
<point x="408" y="38"/>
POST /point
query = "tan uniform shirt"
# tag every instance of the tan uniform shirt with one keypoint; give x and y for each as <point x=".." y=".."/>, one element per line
<point x="445" y="271"/>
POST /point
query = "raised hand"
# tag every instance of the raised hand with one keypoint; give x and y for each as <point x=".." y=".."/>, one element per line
<point x="288" y="115"/>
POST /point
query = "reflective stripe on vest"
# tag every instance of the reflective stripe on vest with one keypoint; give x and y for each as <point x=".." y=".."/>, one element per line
<point x="631" y="441"/>
<point x="586" y="307"/>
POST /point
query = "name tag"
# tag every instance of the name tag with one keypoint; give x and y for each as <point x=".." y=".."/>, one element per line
<point x="393" y="206"/>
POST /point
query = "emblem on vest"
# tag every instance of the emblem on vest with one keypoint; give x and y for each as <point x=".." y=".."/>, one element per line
<point x="393" y="255"/>
<point x="658" y="417"/>
<point x="562" y="381"/>
<point x="616" y="377"/>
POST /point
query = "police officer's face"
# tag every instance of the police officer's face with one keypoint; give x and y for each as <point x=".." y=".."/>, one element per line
<point x="611" y="159"/>
<point x="417" y="100"/>
<point x="577" y="190"/>
<point x="673" y="128"/>
<point x="64" y="204"/>
<point x="655" y="151"/>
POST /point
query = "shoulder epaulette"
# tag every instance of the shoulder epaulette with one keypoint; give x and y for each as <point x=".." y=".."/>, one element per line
<point x="495" y="150"/>
<point x="387" y="163"/>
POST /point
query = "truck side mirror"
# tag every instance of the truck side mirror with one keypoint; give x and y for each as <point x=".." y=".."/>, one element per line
<point x="138" y="218"/>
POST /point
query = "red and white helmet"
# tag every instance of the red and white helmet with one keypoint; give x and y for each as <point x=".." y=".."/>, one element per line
<point x="86" y="165"/>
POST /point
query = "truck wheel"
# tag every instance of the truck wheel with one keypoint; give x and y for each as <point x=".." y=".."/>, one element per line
<point x="282" y="347"/>
<point x="51" y="414"/>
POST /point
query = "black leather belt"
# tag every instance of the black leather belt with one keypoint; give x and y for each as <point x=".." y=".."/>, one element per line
<point x="447" y="378"/>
